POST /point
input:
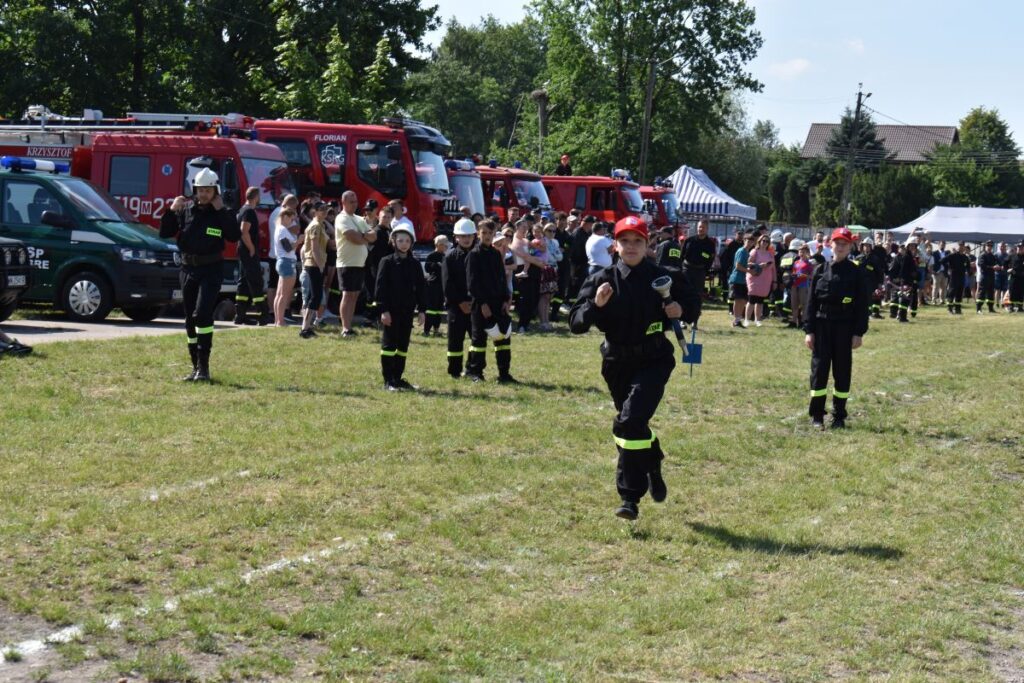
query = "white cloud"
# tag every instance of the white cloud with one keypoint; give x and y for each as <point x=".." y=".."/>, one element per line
<point x="856" y="46"/>
<point x="789" y="69"/>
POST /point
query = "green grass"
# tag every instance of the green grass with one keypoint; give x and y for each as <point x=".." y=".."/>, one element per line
<point x="467" y="530"/>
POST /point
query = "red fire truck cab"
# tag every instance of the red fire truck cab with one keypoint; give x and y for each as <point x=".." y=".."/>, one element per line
<point x="608" y="199"/>
<point x="661" y="203"/>
<point x="464" y="180"/>
<point x="400" y="160"/>
<point x="511" y="187"/>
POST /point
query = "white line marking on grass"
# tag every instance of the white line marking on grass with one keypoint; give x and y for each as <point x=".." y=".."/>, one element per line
<point x="68" y="634"/>
<point x="156" y="494"/>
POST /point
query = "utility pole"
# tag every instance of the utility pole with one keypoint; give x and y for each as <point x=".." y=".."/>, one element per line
<point x="648" y="105"/>
<point x="854" y="137"/>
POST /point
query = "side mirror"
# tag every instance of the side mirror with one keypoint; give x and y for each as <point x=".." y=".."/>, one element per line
<point x="56" y="220"/>
<point x="394" y="152"/>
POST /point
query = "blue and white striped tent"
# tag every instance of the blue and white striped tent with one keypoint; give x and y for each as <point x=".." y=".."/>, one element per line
<point x="698" y="194"/>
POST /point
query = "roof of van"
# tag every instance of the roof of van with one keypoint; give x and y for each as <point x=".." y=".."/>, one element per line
<point x="192" y="144"/>
<point x="316" y="126"/>
<point x="589" y="180"/>
<point x="486" y="171"/>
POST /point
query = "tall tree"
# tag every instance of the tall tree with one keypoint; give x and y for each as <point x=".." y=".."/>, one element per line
<point x="868" y="150"/>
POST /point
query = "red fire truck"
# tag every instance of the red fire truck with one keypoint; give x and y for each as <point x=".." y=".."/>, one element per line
<point x="464" y="180"/>
<point x="402" y="159"/>
<point x="606" y="198"/>
<point x="507" y="187"/>
<point x="146" y="160"/>
<point x="661" y="203"/>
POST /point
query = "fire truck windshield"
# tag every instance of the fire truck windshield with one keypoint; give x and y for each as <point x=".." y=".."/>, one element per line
<point x="526" y="190"/>
<point x="634" y="201"/>
<point x="95" y="203"/>
<point x="671" y="205"/>
<point x="431" y="175"/>
<point x="467" y="188"/>
<point x="271" y="176"/>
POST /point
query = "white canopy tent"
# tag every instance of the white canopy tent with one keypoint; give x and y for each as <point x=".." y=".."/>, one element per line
<point x="976" y="224"/>
<point x="698" y="194"/>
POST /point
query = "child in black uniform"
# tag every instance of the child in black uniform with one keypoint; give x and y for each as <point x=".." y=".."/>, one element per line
<point x="435" y="289"/>
<point x="488" y="289"/>
<point x="401" y="289"/>
<point x="637" y="358"/>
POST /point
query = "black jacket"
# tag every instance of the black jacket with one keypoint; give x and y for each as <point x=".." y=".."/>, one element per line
<point x="200" y="229"/>
<point x="1016" y="266"/>
<point x="401" y="288"/>
<point x="876" y="264"/>
<point x="485" y="276"/>
<point x="453" y="276"/>
<point x="840" y="292"/>
<point x="634" y="318"/>
<point x="699" y="253"/>
<point x="578" y="249"/>
<point x="986" y="262"/>
<point x="432" y="267"/>
<point x="669" y="255"/>
<point x="956" y="265"/>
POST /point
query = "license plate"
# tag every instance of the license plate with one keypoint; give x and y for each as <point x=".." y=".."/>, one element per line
<point x="16" y="281"/>
<point x="176" y="295"/>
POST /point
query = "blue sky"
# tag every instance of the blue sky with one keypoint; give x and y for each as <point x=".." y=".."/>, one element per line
<point x="925" y="63"/>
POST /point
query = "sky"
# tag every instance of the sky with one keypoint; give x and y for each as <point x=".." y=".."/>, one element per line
<point x="924" y="63"/>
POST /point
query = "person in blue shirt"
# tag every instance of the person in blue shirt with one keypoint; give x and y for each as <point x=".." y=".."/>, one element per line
<point x="738" y="280"/>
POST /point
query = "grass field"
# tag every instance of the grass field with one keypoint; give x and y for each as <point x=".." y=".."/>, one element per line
<point x="293" y="521"/>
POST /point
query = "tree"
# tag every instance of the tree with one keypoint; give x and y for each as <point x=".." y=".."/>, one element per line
<point x="598" y="64"/>
<point x="868" y="150"/>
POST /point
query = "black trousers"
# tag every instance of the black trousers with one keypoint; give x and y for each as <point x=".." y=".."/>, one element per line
<point x="833" y="353"/>
<point x="316" y="288"/>
<point x="458" y="330"/>
<point x="529" y="295"/>
<point x="1017" y="292"/>
<point x="435" y="306"/>
<point x="696" y="277"/>
<point x="636" y="388"/>
<point x="394" y="345"/>
<point x="250" y="290"/>
<point x="559" y="297"/>
<point x="580" y="272"/>
<point x="478" y="340"/>
<point x="986" y="293"/>
<point x="955" y="292"/>
<point x="200" y="289"/>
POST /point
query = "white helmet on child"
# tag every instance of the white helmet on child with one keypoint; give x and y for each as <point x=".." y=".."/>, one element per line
<point x="403" y="229"/>
<point x="206" y="178"/>
<point x="464" y="226"/>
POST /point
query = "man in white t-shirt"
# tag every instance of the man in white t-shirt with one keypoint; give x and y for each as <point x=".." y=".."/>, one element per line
<point x="400" y="220"/>
<point x="599" y="248"/>
<point x="352" y="235"/>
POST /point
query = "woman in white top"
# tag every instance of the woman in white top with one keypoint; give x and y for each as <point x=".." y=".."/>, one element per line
<point x="286" y="243"/>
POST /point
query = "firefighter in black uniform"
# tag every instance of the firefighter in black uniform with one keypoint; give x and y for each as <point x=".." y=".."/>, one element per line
<point x="456" y="296"/>
<point x="578" y="255"/>
<point x="400" y="291"/>
<point x="988" y="264"/>
<point x="907" y="280"/>
<point x="201" y="229"/>
<point x="784" y="272"/>
<point x="250" y="291"/>
<point x="435" y="288"/>
<point x="669" y="253"/>
<point x="1016" y="268"/>
<point x="957" y="264"/>
<point x="837" y="319"/>
<point x="488" y="289"/>
<point x="876" y="262"/>
<point x="698" y="256"/>
<point x="637" y="359"/>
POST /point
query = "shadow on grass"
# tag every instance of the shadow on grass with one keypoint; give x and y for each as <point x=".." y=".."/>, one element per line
<point x="292" y="389"/>
<point x="561" y="388"/>
<point x="763" y="544"/>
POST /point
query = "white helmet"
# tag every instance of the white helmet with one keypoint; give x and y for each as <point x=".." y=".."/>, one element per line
<point x="796" y="244"/>
<point x="868" y="241"/>
<point x="776" y="235"/>
<point x="206" y="178"/>
<point x="403" y="228"/>
<point x="464" y="226"/>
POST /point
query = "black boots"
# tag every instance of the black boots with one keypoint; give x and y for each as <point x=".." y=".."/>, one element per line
<point x="203" y="370"/>
<point x="193" y="353"/>
<point x="628" y="510"/>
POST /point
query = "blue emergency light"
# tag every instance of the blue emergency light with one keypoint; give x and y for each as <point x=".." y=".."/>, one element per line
<point x="493" y="163"/>
<point x="26" y="164"/>
<point x="458" y="165"/>
<point x="518" y="164"/>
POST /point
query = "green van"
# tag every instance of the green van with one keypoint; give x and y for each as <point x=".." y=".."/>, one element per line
<point x="88" y="253"/>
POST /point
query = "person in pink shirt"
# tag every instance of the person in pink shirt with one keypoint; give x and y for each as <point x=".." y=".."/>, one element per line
<point x="800" y="288"/>
<point x="760" y="279"/>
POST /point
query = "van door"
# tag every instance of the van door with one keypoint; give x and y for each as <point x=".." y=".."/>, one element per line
<point x="49" y="247"/>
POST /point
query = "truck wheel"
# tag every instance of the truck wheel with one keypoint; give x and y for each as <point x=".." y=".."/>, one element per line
<point x="142" y="314"/>
<point x="86" y="297"/>
<point x="7" y="309"/>
<point x="225" y="310"/>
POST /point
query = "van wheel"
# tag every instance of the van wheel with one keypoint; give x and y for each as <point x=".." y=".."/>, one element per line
<point x="142" y="314"/>
<point x="7" y="309"/>
<point x="86" y="297"/>
<point x="224" y="311"/>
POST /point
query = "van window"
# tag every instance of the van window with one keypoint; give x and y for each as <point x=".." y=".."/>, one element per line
<point x="129" y="176"/>
<point x="602" y="199"/>
<point x="376" y="169"/>
<point x="581" y="198"/>
<point x="25" y="202"/>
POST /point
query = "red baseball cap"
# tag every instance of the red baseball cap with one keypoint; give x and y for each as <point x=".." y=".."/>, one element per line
<point x="631" y="224"/>
<point x="843" y="234"/>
